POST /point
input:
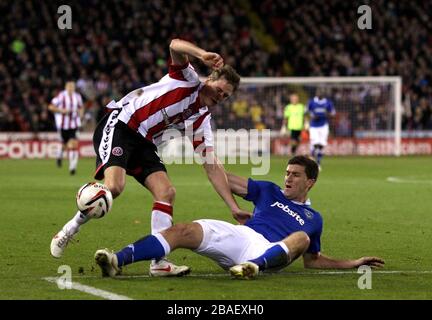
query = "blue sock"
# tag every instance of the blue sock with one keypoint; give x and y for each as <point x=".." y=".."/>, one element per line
<point x="320" y="154"/>
<point x="146" y="248"/>
<point x="313" y="152"/>
<point x="274" y="257"/>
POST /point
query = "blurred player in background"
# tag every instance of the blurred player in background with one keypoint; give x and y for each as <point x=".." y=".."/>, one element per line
<point x="68" y="111"/>
<point x="283" y="228"/>
<point x="294" y="118"/>
<point x="126" y="140"/>
<point x="319" y="110"/>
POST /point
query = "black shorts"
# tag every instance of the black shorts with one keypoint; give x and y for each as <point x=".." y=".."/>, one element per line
<point x="117" y="145"/>
<point x="67" y="135"/>
<point x="295" y="135"/>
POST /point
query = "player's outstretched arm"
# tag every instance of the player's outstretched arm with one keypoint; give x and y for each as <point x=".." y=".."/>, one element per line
<point x="237" y="184"/>
<point x="181" y="49"/>
<point x="320" y="261"/>
<point x="216" y="174"/>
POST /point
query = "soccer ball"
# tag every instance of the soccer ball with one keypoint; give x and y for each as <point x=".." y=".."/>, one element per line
<point x="94" y="200"/>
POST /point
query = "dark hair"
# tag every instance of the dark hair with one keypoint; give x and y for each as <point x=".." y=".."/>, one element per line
<point x="311" y="167"/>
<point x="228" y="73"/>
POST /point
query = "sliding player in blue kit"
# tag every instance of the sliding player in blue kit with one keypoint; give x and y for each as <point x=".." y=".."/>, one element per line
<point x="283" y="227"/>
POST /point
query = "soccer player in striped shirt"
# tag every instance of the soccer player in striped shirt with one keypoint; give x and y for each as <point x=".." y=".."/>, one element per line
<point x="68" y="110"/>
<point x="126" y="140"/>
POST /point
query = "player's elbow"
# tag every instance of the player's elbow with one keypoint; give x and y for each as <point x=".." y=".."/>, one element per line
<point x="174" y="43"/>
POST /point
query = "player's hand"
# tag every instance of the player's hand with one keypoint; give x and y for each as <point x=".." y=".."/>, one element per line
<point x="212" y="60"/>
<point x="373" y="262"/>
<point x="283" y="131"/>
<point x="241" y="216"/>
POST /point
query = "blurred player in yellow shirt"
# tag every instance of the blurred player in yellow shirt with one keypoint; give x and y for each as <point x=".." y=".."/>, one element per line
<point x="293" y="120"/>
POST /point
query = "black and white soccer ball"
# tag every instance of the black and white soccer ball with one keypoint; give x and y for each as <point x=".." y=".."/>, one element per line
<point x="94" y="200"/>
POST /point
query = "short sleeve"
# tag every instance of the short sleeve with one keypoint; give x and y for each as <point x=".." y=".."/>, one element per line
<point x="287" y="111"/>
<point x="253" y="190"/>
<point x="56" y="101"/>
<point x="183" y="72"/>
<point x="315" y="239"/>
<point x="202" y="138"/>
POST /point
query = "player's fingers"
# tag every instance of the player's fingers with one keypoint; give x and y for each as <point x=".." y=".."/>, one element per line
<point x="376" y="264"/>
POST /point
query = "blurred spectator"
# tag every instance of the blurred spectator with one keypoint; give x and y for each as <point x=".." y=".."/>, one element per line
<point x="112" y="53"/>
<point x="109" y="54"/>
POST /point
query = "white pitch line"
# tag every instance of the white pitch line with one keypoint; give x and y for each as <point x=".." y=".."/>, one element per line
<point x="407" y="180"/>
<point x="208" y="275"/>
<point x="91" y="290"/>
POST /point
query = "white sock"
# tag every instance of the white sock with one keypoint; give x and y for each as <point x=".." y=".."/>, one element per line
<point x="285" y="248"/>
<point x="73" y="159"/>
<point x="164" y="243"/>
<point x="161" y="218"/>
<point x="73" y="226"/>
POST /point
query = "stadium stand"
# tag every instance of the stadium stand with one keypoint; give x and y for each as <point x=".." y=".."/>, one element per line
<point x="116" y="46"/>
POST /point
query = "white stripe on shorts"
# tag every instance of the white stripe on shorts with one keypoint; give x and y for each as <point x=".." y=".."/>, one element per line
<point x="107" y="137"/>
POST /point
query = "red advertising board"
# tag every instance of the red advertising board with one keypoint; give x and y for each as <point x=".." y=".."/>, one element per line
<point x="363" y="146"/>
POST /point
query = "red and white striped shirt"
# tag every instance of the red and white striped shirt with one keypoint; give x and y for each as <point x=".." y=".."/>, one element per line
<point x="171" y="103"/>
<point x="72" y="103"/>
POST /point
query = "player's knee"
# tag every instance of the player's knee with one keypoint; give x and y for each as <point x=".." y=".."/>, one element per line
<point x="167" y="195"/>
<point x="115" y="188"/>
<point x="183" y="235"/>
<point x="303" y="239"/>
<point x="73" y="144"/>
<point x="297" y="243"/>
<point x="186" y="235"/>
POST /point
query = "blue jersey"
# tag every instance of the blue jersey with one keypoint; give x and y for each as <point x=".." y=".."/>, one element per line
<point x="276" y="217"/>
<point x="318" y="109"/>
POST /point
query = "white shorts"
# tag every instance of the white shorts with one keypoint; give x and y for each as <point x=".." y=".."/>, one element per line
<point x="228" y="244"/>
<point x="319" y="135"/>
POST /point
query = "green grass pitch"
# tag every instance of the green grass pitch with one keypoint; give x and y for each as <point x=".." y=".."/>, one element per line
<point x="364" y="214"/>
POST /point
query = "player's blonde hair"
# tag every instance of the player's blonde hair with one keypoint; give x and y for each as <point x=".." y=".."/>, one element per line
<point x="228" y="73"/>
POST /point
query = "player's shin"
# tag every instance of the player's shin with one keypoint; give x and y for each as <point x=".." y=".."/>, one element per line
<point x="274" y="258"/>
<point x="147" y="248"/>
<point x="73" y="159"/>
<point x="72" y="226"/>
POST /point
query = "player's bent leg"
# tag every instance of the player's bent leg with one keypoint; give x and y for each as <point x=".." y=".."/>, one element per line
<point x="161" y="187"/>
<point x="115" y="180"/>
<point x="184" y="235"/>
<point x="278" y="256"/>
<point x="72" y="147"/>
<point x="152" y="247"/>
<point x="163" y="193"/>
<point x="59" y="160"/>
<point x="297" y="243"/>
<point x="187" y="236"/>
